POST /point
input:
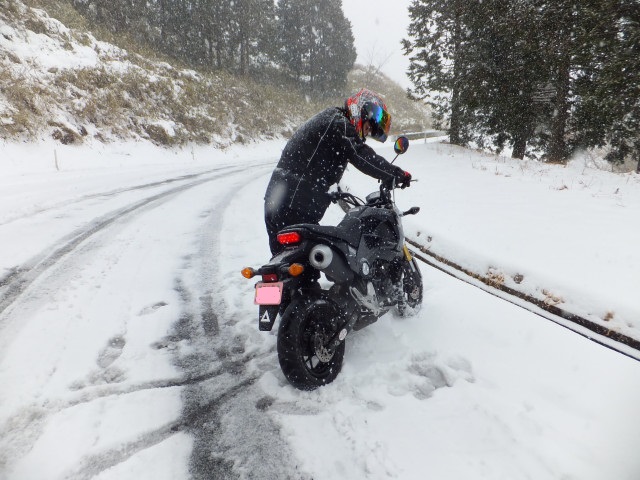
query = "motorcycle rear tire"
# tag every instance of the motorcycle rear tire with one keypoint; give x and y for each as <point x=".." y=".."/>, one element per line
<point x="304" y="327"/>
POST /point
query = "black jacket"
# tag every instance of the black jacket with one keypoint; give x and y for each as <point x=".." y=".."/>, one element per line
<point x="314" y="159"/>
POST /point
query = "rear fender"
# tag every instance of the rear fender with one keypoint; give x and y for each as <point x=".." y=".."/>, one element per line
<point x="268" y="314"/>
<point x="290" y="254"/>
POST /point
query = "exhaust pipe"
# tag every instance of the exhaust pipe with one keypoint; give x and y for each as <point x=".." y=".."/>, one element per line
<point x="320" y="256"/>
<point x="333" y="266"/>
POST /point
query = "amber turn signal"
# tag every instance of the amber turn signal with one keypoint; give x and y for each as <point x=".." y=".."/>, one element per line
<point x="295" y="269"/>
<point x="248" y="272"/>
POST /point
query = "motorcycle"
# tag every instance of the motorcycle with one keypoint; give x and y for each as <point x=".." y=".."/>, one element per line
<point x="369" y="271"/>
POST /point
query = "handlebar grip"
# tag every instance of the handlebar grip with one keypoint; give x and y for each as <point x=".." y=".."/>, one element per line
<point x="411" y="211"/>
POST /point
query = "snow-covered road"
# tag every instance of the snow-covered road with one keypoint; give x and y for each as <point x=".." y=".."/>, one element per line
<point x="111" y="326"/>
<point x="129" y="349"/>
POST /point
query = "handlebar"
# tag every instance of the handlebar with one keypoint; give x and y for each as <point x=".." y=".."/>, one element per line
<point x="386" y="188"/>
<point x="391" y="184"/>
<point x="346" y="196"/>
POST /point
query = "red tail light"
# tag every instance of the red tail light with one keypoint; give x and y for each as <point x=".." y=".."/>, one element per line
<point x="289" y="238"/>
<point x="270" y="277"/>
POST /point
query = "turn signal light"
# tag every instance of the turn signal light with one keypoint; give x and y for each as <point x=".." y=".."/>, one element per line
<point x="295" y="269"/>
<point x="289" y="238"/>
<point x="248" y="272"/>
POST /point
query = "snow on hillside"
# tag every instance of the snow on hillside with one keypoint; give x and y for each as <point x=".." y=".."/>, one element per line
<point x="64" y="83"/>
<point x="36" y="52"/>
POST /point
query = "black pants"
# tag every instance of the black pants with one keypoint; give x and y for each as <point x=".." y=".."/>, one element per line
<point x="282" y="218"/>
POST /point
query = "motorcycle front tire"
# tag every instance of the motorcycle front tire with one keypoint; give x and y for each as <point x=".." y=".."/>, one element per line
<point x="411" y="288"/>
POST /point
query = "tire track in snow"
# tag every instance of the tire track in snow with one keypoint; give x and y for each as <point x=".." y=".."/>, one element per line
<point x="15" y="291"/>
<point x="92" y="465"/>
<point x="13" y="285"/>
<point x="20" y="277"/>
<point x="235" y="439"/>
<point x="211" y="416"/>
<point x="215" y="420"/>
<point x="115" y="192"/>
<point x="32" y="417"/>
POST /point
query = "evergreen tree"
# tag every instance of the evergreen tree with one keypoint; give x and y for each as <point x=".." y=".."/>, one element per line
<point x="332" y="51"/>
<point x="557" y="22"/>
<point x="608" y="110"/>
<point x="438" y="48"/>
<point x="293" y="40"/>
<point x="316" y="43"/>
<point x="479" y="65"/>
<point x="216" y="31"/>
<point x="555" y="75"/>
<point x="508" y="72"/>
<point x="252" y="24"/>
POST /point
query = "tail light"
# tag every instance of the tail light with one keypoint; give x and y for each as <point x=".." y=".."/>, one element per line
<point x="289" y="238"/>
<point x="270" y="277"/>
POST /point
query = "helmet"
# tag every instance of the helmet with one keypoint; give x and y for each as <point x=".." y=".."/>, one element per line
<point x="369" y="106"/>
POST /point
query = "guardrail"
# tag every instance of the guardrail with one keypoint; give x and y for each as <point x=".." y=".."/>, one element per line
<point x="420" y="135"/>
<point x="587" y="328"/>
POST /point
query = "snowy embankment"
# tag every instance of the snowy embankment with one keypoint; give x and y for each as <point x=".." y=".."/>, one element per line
<point x="129" y="347"/>
<point x="564" y="235"/>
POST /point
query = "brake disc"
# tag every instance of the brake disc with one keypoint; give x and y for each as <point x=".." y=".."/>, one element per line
<point x="322" y="352"/>
<point x="414" y="294"/>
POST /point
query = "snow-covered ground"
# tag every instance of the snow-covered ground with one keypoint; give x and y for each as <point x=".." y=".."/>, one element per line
<point x="129" y="345"/>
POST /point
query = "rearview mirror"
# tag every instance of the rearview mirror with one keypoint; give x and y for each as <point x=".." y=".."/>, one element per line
<point x="401" y="145"/>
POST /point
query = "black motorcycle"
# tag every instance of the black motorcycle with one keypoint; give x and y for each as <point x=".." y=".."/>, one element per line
<point x="369" y="270"/>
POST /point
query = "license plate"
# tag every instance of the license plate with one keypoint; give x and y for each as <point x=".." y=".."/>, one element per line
<point x="268" y="293"/>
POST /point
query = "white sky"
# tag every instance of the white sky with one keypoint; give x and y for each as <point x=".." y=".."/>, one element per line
<point x="378" y="28"/>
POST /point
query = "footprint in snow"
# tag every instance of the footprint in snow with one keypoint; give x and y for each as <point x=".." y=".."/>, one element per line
<point x="152" y="308"/>
<point x="429" y="373"/>
<point x="107" y="372"/>
<point x="111" y="352"/>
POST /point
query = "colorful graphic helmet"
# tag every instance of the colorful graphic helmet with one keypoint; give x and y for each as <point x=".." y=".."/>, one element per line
<point x="369" y="106"/>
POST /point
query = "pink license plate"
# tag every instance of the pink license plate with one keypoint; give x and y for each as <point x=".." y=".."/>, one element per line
<point x="268" y="293"/>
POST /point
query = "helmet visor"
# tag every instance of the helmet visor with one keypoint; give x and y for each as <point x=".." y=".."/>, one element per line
<point x="379" y="119"/>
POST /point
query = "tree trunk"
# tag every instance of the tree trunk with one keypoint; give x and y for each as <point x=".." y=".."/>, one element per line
<point x="455" y="137"/>
<point x="557" y="145"/>
<point x="455" y="124"/>
<point x="519" y="147"/>
<point x="244" y="62"/>
<point x="99" y="13"/>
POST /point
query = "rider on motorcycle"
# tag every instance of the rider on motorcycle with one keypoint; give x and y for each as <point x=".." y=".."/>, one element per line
<point x="316" y="156"/>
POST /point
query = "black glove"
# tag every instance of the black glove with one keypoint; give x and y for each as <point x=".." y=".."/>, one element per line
<point x="403" y="179"/>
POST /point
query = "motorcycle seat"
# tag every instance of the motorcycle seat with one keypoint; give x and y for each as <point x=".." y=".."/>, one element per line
<point x="347" y="231"/>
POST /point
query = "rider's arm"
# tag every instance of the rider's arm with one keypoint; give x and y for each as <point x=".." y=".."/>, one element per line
<point x="365" y="159"/>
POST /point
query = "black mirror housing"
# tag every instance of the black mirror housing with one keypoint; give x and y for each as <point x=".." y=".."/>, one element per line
<point x="401" y="145"/>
